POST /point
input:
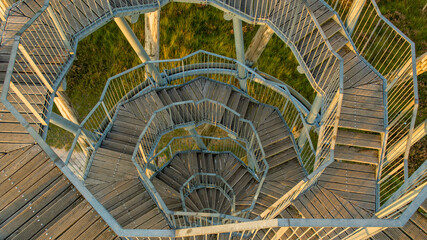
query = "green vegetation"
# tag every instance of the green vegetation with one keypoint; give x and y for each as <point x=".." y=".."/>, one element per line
<point x="409" y="17"/>
<point x="186" y="28"/>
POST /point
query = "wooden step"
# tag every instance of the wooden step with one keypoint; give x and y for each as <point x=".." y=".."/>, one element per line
<point x="278" y="147"/>
<point x="361" y="123"/>
<point x="354" y="154"/>
<point x="358" y="139"/>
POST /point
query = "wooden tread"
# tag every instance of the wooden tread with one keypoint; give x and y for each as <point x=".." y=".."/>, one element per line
<point x="358" y="139"/>
<point x="354" y="154"/>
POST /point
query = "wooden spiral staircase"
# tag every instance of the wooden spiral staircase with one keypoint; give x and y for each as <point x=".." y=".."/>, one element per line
<point x="39" y="202"/>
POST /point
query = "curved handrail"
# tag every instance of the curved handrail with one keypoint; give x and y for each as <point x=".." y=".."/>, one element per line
<point x="204" y="180"/>
<point x="139" y="150"/>
<point x="160" y="152"/>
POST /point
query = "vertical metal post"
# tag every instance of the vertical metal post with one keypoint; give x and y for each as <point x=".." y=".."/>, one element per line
<point x="311" y="117"/>
<point x="240" y="51"/>
<point x="137" y="46"/>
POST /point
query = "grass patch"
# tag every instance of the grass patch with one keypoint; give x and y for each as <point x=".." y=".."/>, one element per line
<point x="409" y="17"/>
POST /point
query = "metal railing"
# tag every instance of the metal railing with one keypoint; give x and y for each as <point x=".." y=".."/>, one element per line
<point x="125" y="85"/>
<point x="392" y="55"/>
<point x="43" y="51"/>
<point x="194" y="113"/>
<point x="181" y="220"/>
<point x="208" y="180"/>
<point x="223" y="69"/>
<point x="234" y="145"/>
<point x="275" y="209"/>
<point x="73" y="29"/>
<point x="197" y="113"/>
<point x="264" y="227"/>
<point x="295" y="23"/>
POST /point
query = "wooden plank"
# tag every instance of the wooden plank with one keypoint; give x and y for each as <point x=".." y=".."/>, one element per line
<point x="81" y="225"/>
<point x="131" y="200"/>
<point x="419" y="220"/>
<point x="16" y="137"/>
<point x="362" y="155"/>
<point x="347" y="181"/>
<point x="21" y="216"/>
<point x="12" y="156"/>
<point x="361" y="126"/>
<point x="337" y="201"/>
<point x="353" y="167"/>
<point x="359" y="139"/>
<point x="363" y="113"/>
<point x="107" y="234"/>
<point x="396" y="233"/>
<point x="281" y="158"/>
<point x="19" y="162"/>
<point x="14" y="208"/>
<point x="348" y="188"/>
<point x="72" y="217"/>
<point x="349" y="174"/>
<point x="39" y="163"/>
<point x="94" y="230"/>
<point x="50" y="209"/>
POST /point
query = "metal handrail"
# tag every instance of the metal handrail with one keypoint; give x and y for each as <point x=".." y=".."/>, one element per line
<point x="170" y="233"/>
<point x="139" y="149"/>
<point x="167" y="147"/>
<point x="392" y="55"/>
<point x="204" y="180"/>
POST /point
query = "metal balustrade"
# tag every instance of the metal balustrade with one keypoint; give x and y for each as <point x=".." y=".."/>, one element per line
<point x="392" y="55"/>
<point x="125" y="85"/>
<point x="104" y="10"/>
<point x="389" y="51"/>
<point x="237" y="146"/>
<point x="208" y="180"/>
<point x="195" y="114"/>
<point x="274" y="210"/>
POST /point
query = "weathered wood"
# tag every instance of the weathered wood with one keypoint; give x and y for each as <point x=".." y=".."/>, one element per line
<point x="362" y="155"/>
<point x="152" y="34"/>
<point x="258" y="44"/>
<point x="359" y="139"/>
<point x="422" y="63"/>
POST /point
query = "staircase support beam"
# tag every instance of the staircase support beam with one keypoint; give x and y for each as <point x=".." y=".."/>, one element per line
<point x="70" y="126"/>
<point x="258" y="44"/>
<point x="139" y="50"/>
<point x="419" y="132"/>
<point x="422" y="63"/>
<point x="240" y="51"/>
<point x="152" y="34"/>
<point x="199" y="141"/>
<point x="310" y="119"/>
<point x="353" y="14"/>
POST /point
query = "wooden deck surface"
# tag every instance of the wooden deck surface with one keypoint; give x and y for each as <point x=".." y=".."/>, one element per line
<point x="38" y="201"/>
